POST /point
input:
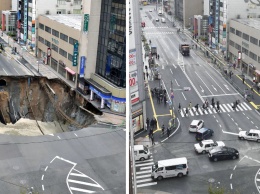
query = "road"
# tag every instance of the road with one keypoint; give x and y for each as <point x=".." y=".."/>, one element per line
<point x="10" y="67"/>
<point x="85" y="161"/>
<point x="205" y="82"/>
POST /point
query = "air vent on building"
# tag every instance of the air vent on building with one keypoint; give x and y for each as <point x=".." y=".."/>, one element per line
<point x="238" y="16"/>
<point x="47" y="12"/>
<point x="68" y="12"/>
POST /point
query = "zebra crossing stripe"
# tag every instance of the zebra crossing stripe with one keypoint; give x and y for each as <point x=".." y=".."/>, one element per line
<point x="213" y="109"/>
<point x="247" y="106"/>
<point x="209" y="111"/>
<point x="243" y="106"/>
<point x="145" y="168"/>
<point x="143" y="176"/>
<point x="182" y="114"/>
<point x="144" y="172"/>
<point x="230" y="107"/>
<point x="205" y="111"/>
<point x="139" y="162"/>
<point x="144" y="180"/>
<point x="200" y="111"/>
<point x="226" y="107"/>
<point x="194" y="109"/>
<point x="222" y="109"/>
<point x="191" y="113"/>
<point x="145" y="164"/>
<point x="238" y="106"/>
<point x="146" y="184"/>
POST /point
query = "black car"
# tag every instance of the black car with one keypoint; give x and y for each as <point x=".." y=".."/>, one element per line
<point x="223" y="153"/>
<point x="204" y="133"/>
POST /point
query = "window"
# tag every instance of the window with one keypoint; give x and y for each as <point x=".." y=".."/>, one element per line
<point x="231" y="43"/>
<point x="47" y="43"/>
<point x="232" y="30"/>
<point x="48" y="29"/>
<point x="253" y="40"/>
<point x="253" y="56"/>
<point x="61" y="2"/>
<point x="55" y="33"/>
<point x="63" y="53"/>
<point x="41" y="26"/>
<point x="237" y="46"/>
<point x="58" y="12"/>
<point x="238" y="33"/>
<point x="244" y="50"/>
<point x="54" y="47"/>
<point x="70" y="57"/>
<point x="72" y="41"/>
<point x="63" y="37"/>
<point x="258" y="59"/>
<point x="41" y="39"/>
<point x="246" y="36"/>
<point x="170" y="168"/>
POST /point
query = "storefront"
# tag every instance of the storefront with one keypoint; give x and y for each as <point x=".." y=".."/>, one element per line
<point x="137" y="121"/>
<point x="61" y="69"/>
<point x="70" y="74"/>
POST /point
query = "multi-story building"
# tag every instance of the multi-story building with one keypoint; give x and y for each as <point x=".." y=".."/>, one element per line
<point x="244" y="45"/>
<point x="58" y="35"/>
<point x="103" y="42"/>
<point x="185" y="9"/>
<point x="5" y="5"/>
<point x="9" y="21"/>
<point x="200" y="26"/>
<point x="29" y="10"/>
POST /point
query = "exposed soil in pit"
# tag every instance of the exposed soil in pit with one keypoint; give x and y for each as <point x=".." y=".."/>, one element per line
<point x="36" y="106"/>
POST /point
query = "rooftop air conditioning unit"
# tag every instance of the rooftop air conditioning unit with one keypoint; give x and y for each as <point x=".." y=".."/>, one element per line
<point x="47" y="12"/>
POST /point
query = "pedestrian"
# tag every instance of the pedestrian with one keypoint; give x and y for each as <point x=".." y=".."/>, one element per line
<point x="179" y="107"/>
<point x="152" y="138"/>
<point x="234" y="66"/>
<point x="196" y="47"/>
<point x="158" y="99"/>
<point x="230" y="74"/>
<point x="158" y="56"/>
<point x="187" y="112"/>
<point x="213" y="104"/>
<point x="234" y="106"/>
<point x="218" y="106"/>
<point x="165" y="99"/>
<point x="151" y="124"/>
<point x="146" y="68"/>
<point x="190" y="105"/>
<point x="147" y="75"/>
<point x="212" y="100"/>
<point x="155" y="123"/>
<point x="144" y="75"/>
<point x="147" y="122"/>
<point x="168" y="132"/>
<point x="197" y="107"/>
<point x="243" y="79"/>
<point x="163" y="129"/>
<point x="258" y="88"/>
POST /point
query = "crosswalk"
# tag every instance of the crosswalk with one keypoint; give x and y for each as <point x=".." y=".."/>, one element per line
<point x="210" y="110"/>
<point x="157" y="27"/>
<point x="81" y="183"/>
<point x="156" y="33"/>
<point x="143" y="173"/>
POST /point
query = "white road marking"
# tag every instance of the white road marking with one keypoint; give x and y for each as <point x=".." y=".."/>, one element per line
<point x="247" y="106"/>
<point x="236" y="124"/>
<point x="203" y="82"/>
<point x="227" y="87"/>
<point x="171" y="71"/>
<point x="42" y="176"/>
<point x="79" y="175"/>
<point x="217" y="121"/>
<point x="256" y="127"/>
<point x="166" y="90"/>
<point x="219" y="125"/>
<point x="247" y="117"/>
<point x="183" y="96"/>
<point x="229" y="132"/>
<point x="231" y="186"/>
<point x="220" y="95"/>
<point x="144" y="180"/>
<point x="182" y="113"/>
<point x="75" y="134"/>
<point x="144" y="172"/>
<point x="146" y="164"/>
<point x="222" y="109"/>
<point x="200" y="111"/>
<point x="234" y="167"/>
<point x="239" y="129"/>
<point x="46" y="168"/>
<point x="143" y="176"/>
<point x="243" y="113"/>
<point x="5" y="71"/>
<point x="82" y="190"/>
<point x="252" y="122"/>
<point x="230" y="107"/>
<point x="231" y="176"/>
<point x="201" y="89"/>
<point x="177" y="82"/>
<point x="147" y="184"/>
<point x="43" y="187"/>
<point x="58" y="137"/>
<point x="191" y="113"/>
<point x="215" y="82"/>
<point x="51" y="134"/>
<point x="243" y="107"/>
<point x="232" y="119"/>
<point x="17" y="71"/>
<point x="83" y="183"/>
<point x="145" y="168"/>
<point x="258" y="187"/>
<point x="209" y="111"/>
<point x="214" y="87"/>
<point x="194" y="109"/>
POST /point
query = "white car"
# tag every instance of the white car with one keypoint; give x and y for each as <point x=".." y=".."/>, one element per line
<point x="196" y="125"/>
<point x="252" y="134"/>
<point x="150" y="10"/>
<point x="157" y="19"/>
<point x="207" y="145"/>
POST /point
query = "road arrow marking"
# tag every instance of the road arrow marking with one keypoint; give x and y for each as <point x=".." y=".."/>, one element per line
<point x="171" y="71"/>
<point x="214" y="87"/>
<point x="229" y="132"/>
<point x="227" y="87"/>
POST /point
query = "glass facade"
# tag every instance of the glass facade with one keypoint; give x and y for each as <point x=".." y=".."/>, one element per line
<point x="111" y="59"/>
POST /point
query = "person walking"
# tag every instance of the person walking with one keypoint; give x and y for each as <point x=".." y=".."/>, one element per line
<point x="152" y="140"/>
<point x="165" y="99"/>
<point x="179" y="110"/>
<point x="218" y="106"/>
<point x="147" y="75"/>
<point x="168" y="132"/>
<point x="158" y="56"/>
<point x="243" y="79"/>
<point x="230" y="74"/>
<point x="196" y="107"/>
<point x="187" y="112"/>
<point x="162" y="129"/>
<point x="155" y="123"/>
<point x="190" y="105"/>
<point x="147" y="122"/>
<point x="151" y="124"/>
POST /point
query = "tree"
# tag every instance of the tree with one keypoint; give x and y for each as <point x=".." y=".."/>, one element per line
<point x="220" y="190"/>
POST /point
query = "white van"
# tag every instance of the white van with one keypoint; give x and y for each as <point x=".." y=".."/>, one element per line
<point x="141" y="152"/>
<point x="170" y="168"/>
<point x="160" y="12"/>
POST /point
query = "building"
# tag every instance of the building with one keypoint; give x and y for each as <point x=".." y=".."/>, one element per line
<point x="244" y="45"/>
<point x="103" y="71"/>
<point x="29" y="10"/>
<point x="58" y="35"/>
<point x="5" y="5"/>
<point x="199" y="26"/>
<point x="9" y="21"/>
<point x="186" y="9"/>
<point x="136" y="83"/>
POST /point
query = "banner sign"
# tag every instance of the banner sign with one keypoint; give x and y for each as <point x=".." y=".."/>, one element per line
<point x="75" y="54"/>
<point x="82" y="66"/>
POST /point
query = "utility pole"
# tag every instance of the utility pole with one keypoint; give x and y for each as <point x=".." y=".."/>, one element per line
<point x="162" y="7"/>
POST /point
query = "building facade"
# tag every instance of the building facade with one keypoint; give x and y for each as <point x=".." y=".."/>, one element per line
<point x="5" y="5"/>
<point x="58" y="35"/>
<point x="9" y="21"/>
<point x="104" y="75"/>
<point x="244" y="45"/>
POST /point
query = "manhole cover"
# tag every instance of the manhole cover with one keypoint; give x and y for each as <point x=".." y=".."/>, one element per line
<point x="23" y="182"/>
<point x="211" y="180"/>
<point x="113" y="172"/>
<point x="16" y="167"/>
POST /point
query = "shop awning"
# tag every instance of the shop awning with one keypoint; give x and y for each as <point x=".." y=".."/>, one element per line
<point x="257" y="72"/>
<point x="98" y="87"/>
<point x="70" y="71"/>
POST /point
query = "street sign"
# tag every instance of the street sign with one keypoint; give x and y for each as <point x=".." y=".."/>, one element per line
<point x="75" y="54"/>
<point x="86" y="20"/>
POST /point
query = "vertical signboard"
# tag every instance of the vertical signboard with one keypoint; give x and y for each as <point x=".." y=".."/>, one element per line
<point x="216" y="22"/>
<point x="75" y="54"/>
<point x="25" y="20"/>
<point x="86" y="20"/>
<point x="82" y="66"/>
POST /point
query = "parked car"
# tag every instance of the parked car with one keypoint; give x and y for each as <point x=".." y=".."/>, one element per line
<point x="223" y="153"/>
<point x="252" y="134"/>
<point x="163" y="20"/>
<point x="207" y="145"/>
<point x="150" y="10"/>
<point x="157" y="19"/>
<point x="196" y="125"/>
<point x="204" y="133"/>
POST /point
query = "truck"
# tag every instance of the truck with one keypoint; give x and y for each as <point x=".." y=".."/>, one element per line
<point x="184" y="49"/>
